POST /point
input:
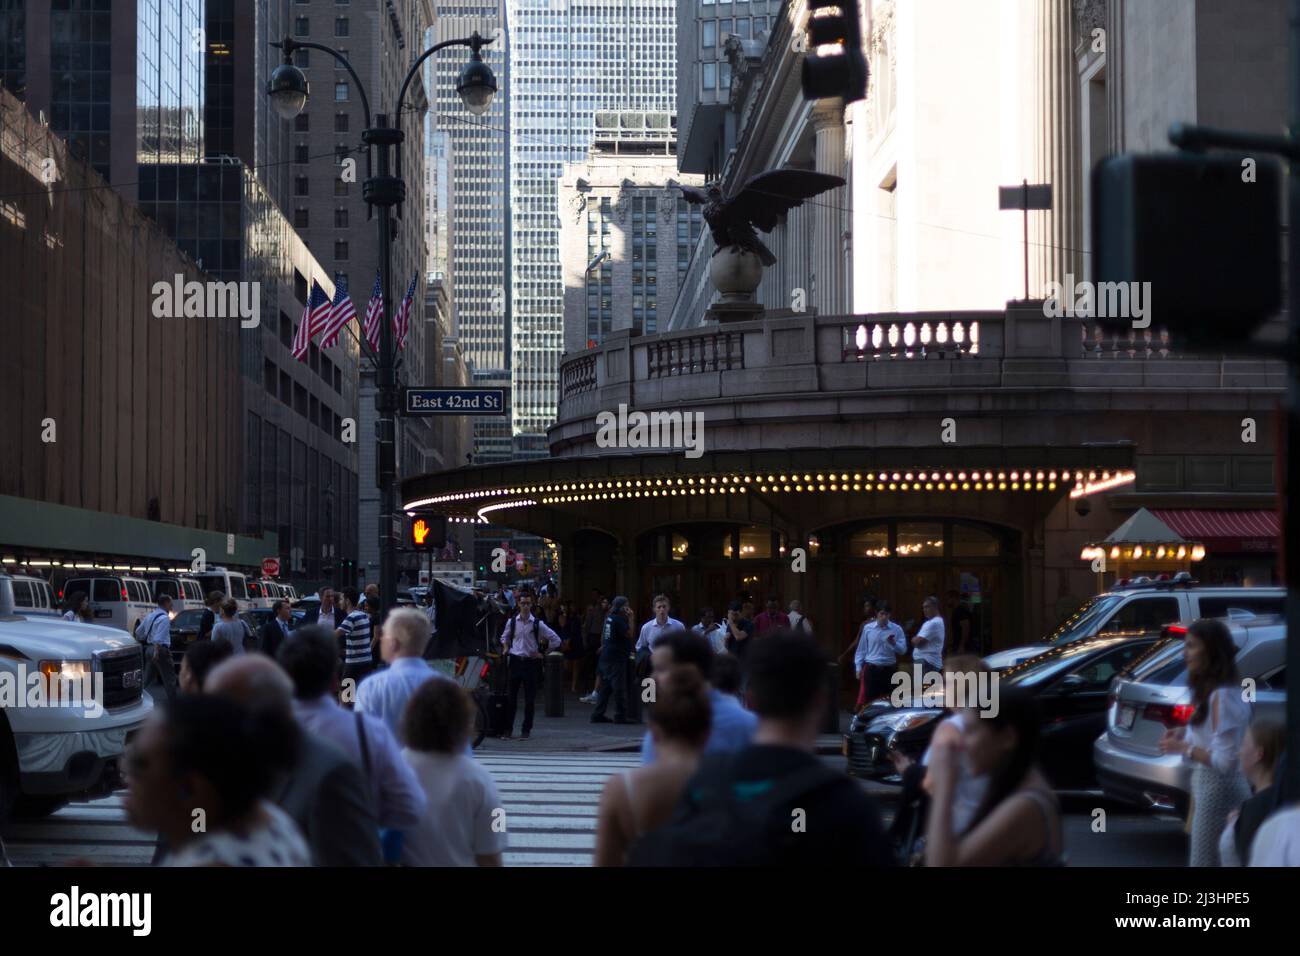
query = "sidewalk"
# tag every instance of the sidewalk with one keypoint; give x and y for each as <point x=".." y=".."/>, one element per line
<point x="575" y="731"/>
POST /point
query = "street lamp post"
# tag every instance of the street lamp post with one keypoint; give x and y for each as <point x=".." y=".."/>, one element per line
<point x="383" y="189"/>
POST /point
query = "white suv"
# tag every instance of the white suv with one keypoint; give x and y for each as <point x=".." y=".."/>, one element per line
<point x="53" y="746"/>
<point x="1148" y="605"/>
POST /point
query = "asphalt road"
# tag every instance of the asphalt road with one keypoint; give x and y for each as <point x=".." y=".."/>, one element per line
<point x="1118" y="835"/>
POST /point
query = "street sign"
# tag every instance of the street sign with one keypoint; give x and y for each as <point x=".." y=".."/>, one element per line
<point x="271" y="567"/>
<point x="454" y="401"/>
<point x="1025" y="196"/>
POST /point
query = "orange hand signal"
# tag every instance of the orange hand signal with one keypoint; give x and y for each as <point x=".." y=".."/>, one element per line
<point x="420" y="530"/>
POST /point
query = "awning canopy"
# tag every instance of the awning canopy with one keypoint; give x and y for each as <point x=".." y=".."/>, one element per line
<point x="1224" y="530"/>
<point x="1145" y="528"/>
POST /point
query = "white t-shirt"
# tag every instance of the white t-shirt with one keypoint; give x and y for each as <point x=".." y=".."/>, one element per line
<point x="930" y="649"/>
<point x="278" y="843"/>
<point x="969" y="792"/>
<point x="460" y="821"/>
<point x="1277" y="841"/>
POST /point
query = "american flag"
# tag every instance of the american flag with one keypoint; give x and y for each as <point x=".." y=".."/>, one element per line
<point x="374" y="314"/>
<point x="402" y="321"/>
<point x="313" y="320"/>
<point x="341" y="313"/>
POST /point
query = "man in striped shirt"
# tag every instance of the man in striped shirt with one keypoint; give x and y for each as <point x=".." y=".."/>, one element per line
<point x="354" y="643"/>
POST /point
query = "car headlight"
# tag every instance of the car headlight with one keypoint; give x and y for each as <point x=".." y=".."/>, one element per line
<point x="59" y="674"/>
<point x="897" y="723"/>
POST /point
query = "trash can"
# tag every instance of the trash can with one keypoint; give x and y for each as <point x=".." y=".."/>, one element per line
<point x="633" y="690"/>
<point x="553" y="683"/>
<point x="831" y="719"/>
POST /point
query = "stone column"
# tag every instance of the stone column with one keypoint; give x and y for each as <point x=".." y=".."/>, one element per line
<point x="828" y="292"/>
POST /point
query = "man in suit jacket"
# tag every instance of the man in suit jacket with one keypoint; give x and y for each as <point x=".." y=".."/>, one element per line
<point x="323" y="791"/>
<point x="327" y="614"/>
<point x="274" y="631"/>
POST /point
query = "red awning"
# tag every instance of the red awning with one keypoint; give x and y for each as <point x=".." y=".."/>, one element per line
<point x="1222" y="530"/>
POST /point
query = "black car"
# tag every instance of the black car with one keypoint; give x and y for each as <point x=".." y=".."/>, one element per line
<point x="1070" y="682"/>
<point x="185" y="631"/>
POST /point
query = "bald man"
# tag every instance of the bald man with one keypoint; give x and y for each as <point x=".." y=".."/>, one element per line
<point x="324" y="791"/>
<point x="384" y="693"/>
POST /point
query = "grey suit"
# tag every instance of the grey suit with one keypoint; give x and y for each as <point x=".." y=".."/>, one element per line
<point x="327" y="797"/>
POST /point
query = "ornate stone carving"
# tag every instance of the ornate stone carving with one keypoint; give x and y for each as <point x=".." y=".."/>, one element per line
<point x="1089" y="15"/>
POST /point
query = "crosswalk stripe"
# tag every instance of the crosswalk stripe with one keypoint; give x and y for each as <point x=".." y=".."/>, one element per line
<point x="550" y="801"/>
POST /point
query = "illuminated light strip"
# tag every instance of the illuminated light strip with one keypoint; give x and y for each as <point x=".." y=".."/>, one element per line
<point x="1087" y="483"/>
<point x="1094" y="485"/>
<point x="522" y="503"/>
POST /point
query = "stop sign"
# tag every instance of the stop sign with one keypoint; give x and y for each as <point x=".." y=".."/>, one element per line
<point x="270" y="567"/>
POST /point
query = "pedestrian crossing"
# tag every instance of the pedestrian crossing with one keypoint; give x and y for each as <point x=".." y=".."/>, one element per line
<point x="550" y="801"/>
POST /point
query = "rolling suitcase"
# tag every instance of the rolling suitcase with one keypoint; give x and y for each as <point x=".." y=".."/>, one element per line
<point x="498" y="707"/>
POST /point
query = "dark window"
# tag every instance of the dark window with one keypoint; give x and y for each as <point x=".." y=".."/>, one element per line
<point x="301" y="186"/>
<point x="342" y="122"/>
<point x="340" y="249"/>
<point x="1240" y="605"/>
<point x="301" y="26"/>
<point x="302" y="123"/>
<point x="341" y="26"/>
<point x="301" y="154"/>
<point x="269" y="376"/>
<point x="1145" y="614"/>
<point x="301" y="218"/>
<point x="302" y="59"/>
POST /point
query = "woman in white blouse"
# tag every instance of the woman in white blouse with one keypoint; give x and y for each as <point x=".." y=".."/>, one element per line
<point x="1211" y="742"/>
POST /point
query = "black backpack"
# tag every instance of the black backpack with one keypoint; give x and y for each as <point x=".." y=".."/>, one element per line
<point x="714" y="826"/>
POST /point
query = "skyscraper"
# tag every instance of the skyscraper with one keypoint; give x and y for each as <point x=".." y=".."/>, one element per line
<point x="479" y="241"/>
<point x="568" y="60"/>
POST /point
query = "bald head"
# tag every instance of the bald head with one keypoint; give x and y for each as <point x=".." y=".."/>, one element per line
<point x="253" y="680"/>
<point x="406" y="633"/>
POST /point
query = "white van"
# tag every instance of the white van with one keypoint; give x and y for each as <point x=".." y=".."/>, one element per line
<point x="117" y="600"/>
<point x="288" y="592"/>
<point x="184" y="590"/>
<point x="34" y="596"/>
<point x="263" y="593"/>
<point x="233" y="584"/>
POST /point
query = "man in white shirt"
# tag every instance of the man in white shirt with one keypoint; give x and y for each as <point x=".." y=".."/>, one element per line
<point x="384" y="693"/>
<point x="799" y="622"/>
<point x="526" y="639"/>
<point x="927" y="646"/>
<point x="711" y="631"/>
<point x="463" y="824"/>
<point x="311" y="659"/>
<point x="880" y="645"/>
<point x="656" y="627"/>
<point x="155" y="631"/>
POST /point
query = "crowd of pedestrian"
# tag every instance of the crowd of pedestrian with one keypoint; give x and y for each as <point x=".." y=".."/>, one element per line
<point x="353" y="750"/>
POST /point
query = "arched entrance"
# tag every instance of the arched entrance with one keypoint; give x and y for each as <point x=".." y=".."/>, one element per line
<point x="905" y="560"/>
<point x="708" y="564"/>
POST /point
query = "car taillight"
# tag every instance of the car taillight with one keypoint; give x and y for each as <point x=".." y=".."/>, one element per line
<point x="124" y="593"/>
<point x="1171" y="715"/>
<point x="483" y="671"/>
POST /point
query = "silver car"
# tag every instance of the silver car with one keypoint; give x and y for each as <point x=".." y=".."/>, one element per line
<point x="1153" y="696"/>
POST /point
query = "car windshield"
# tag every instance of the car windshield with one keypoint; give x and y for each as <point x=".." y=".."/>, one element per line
<point x="1048" y="666"/>
<point x="188" y="618"/>
<point x="1085" y="620"/>
<point x="165" y="586"/>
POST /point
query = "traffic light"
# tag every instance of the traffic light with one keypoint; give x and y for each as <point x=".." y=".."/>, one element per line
<point x="834" y="64"/>
<point x="427" y="532"/>
<point x="1195" y="238"/>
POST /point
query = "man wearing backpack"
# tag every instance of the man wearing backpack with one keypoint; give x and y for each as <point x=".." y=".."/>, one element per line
<point x="525" y="639"/>
<point x="773" y="803"/>
<point x="155" y="632"/>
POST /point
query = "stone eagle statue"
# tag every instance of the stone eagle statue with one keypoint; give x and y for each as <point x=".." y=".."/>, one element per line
<point x="761" y="202"/>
